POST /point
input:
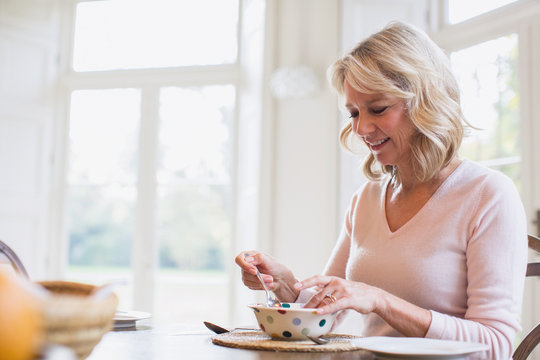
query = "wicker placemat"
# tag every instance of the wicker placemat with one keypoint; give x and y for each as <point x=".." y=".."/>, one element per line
<point x="258" y="340"/>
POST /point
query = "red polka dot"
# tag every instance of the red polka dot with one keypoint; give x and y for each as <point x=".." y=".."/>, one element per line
<point x="282" y="311"/>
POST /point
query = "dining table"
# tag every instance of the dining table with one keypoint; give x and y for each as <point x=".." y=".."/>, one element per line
<point x="151" y="341"/>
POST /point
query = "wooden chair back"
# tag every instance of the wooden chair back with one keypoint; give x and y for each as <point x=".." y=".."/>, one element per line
<point x="532" y="339"/>
<point x="7" y="253"/>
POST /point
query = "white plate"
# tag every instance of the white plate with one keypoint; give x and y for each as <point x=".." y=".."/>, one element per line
<point x="418" y="348"/>
<point x="128" y="319"/>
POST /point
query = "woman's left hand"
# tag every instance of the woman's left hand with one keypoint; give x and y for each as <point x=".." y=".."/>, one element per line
<point x="336" y="294"/>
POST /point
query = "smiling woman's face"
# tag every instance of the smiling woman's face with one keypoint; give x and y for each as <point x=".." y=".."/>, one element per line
<point x="383" y="124"/>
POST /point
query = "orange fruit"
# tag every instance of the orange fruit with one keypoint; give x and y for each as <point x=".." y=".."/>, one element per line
<point x="20" y="318"/>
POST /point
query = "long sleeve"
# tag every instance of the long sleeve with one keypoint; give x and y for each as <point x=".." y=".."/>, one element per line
<point x="496" y="259"/>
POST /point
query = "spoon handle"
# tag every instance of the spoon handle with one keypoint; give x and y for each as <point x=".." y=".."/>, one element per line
<point x="221" y="330"/>
<point x="271" y="301"/>
<point x="262" y="282"/>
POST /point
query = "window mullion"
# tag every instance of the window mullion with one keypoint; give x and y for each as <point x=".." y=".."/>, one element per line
<point x="145" y="240"/>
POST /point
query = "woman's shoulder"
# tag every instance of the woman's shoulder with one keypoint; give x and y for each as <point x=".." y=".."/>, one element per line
<point x="369" y="192"/>
<point x="475" y="172"/>
<point x="371" y="187"/>
<point x="479" y="178"/>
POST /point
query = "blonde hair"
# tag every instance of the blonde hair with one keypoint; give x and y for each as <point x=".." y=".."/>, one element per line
<point x="403" y="61"/>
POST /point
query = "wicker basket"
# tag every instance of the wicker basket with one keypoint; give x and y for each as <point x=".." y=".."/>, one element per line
<point x="75" y="319"/>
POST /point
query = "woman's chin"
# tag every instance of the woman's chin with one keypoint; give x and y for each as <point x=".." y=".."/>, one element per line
<point x="382" y="160"/>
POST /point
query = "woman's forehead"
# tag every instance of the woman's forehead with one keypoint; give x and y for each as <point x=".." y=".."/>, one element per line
<point x="354" y="95"/>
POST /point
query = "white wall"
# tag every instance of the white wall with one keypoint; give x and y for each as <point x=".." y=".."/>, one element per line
<point x="28" y="49"/>
<point x="301" y="147"/>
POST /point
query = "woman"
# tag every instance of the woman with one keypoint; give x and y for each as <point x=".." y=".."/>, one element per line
<point x="432" y="246"/>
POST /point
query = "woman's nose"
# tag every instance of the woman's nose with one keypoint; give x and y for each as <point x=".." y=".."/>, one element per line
<point x="362" y="126"/>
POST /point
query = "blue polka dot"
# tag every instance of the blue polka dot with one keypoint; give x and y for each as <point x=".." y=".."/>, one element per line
<point x="287" y="334"/>
<point x="322" y="322"/>
<point x="285" y="305"/>
<point x="296" y="321"/>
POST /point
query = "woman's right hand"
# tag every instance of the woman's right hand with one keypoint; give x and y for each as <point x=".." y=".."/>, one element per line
<point x="276" y="276"/>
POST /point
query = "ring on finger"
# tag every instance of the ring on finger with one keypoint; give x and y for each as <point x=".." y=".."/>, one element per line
<point x="331" y="297"/>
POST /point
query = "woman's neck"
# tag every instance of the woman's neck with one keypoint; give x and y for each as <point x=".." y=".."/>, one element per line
<point x="409" y="182"/>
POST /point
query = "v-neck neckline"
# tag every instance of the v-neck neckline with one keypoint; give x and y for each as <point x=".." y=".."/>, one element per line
<point x="426" y="205"/>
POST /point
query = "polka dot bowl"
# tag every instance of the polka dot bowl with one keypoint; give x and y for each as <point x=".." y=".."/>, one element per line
<point x="292" y="321"/>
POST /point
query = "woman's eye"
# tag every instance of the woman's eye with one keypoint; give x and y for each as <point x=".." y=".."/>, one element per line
<point x="353" y="115"/>
<point x="380" y="110"/>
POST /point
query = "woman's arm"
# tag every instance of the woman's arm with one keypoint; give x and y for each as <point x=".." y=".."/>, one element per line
<point x="496" y="263"/>
<point x="407" y="318"/>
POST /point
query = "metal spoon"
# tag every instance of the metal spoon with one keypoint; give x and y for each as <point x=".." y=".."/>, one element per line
<point x="221" y="330"/>
<point x="271" y="300"/>
<point x="318" y="340"/>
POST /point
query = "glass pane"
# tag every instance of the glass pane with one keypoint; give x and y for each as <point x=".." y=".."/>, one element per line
<point x="461" y="10"/>
<point x="194" y="226"/>
<point x="488" y="76"/>
<point x="194" y="234"/>
<point x="194" y="201"/>
<point x="195" y="134"/>
<point x="100" y="222"/>
<point x="126" y="34"/>
<point x="103" y="134"/>
<point x="101" y="193"/>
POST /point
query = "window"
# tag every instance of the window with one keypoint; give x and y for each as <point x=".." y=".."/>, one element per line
<point x="101" y="178"/>
<point x="461" y="10"/>
<point x="485" y="60"/>
<point x="488" y="77"/>
<point x="126" y="34"/>
<point x="149" y="180"/>
<point x="194" y="199"/>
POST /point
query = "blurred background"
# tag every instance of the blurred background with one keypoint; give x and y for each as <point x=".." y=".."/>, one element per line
<point x="152" y="141"/>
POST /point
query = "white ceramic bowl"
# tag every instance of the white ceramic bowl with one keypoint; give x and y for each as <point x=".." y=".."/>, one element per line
<point x="292" y="321"/>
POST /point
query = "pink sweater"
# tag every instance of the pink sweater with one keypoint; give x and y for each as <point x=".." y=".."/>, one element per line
<point x="462" y="256"/>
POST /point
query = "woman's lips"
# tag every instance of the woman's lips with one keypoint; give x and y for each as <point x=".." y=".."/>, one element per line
<point x="376" y="145"/>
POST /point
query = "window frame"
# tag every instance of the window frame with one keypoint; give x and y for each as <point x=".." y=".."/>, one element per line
<point x="241" y="74"/>
<point x="496" y="23"/>
<point x="519" y="18"/>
